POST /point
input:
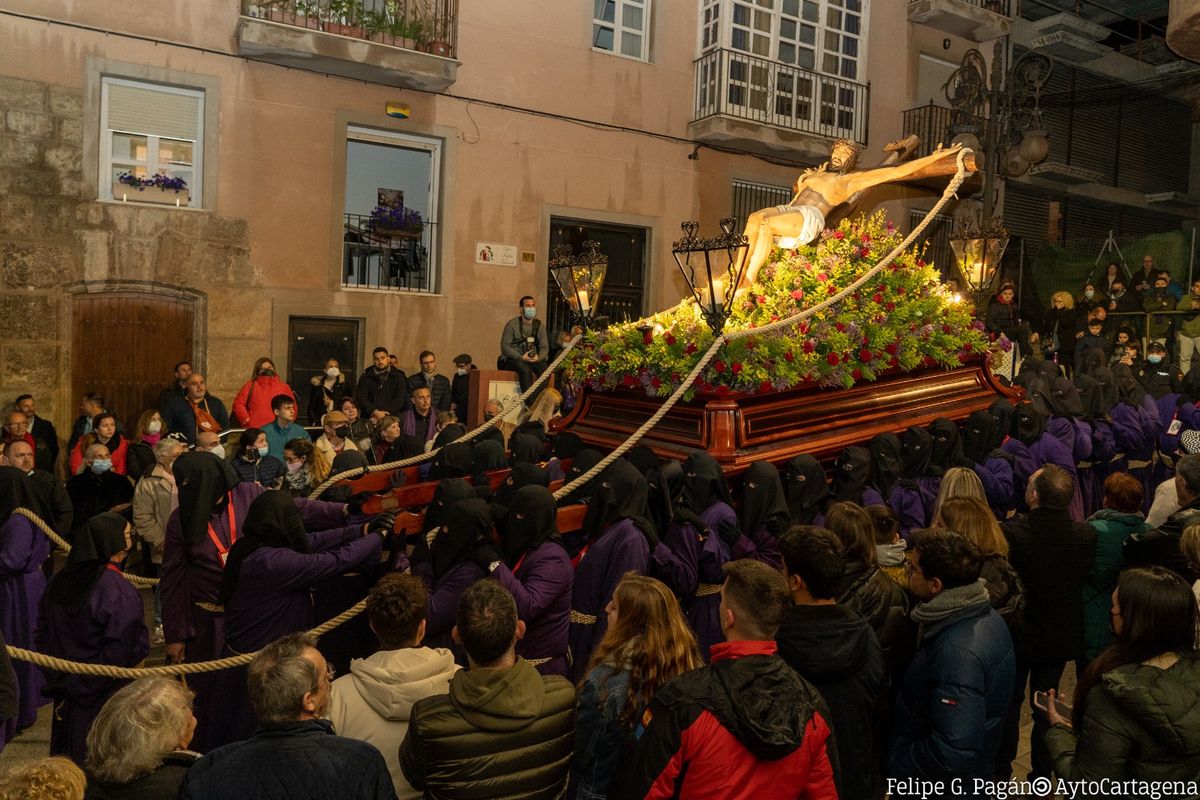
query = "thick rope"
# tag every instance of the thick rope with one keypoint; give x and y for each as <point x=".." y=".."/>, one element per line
<point x="466" y="437"/>
<point x="108" y="671"/>
<point x="959" y="176"/>
<point x="40" y="523"/>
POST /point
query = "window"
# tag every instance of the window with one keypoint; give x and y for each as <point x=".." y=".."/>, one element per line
<point x="622" y="26"/>
<point x="389" y="238"/>
<point x="148" y="129"/>
<point x="821" y="35"/>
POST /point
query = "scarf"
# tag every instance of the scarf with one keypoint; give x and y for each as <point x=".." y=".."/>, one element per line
<point x="950" y="602"/>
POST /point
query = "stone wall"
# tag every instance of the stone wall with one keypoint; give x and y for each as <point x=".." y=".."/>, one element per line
<point x="56" y="240"/>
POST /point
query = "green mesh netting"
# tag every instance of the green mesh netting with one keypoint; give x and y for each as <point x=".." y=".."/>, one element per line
<point x="1065" y="267"/>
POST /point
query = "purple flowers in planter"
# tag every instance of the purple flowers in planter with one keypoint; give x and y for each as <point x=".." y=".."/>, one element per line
<point x="158" y="181"/>
<point x="394" y="217"/>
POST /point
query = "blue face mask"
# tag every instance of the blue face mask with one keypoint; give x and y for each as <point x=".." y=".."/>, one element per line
<point x="1154" y="358"/>
<point x="101" y="466"/>
<point x="262" y="451"/>
<point x="530" y="312"/>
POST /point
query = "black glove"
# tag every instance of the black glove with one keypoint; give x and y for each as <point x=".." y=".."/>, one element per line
<point x="382" y="523"/>
<point x="729" y="532"/>
<point x="421" y="552"/>
<point x="354" y="505"/>
<point x="484" y="554"/>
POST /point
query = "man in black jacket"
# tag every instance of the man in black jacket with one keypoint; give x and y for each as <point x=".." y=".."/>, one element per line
<point x="1052" y="555"/>
<point x="382" y="389"/>
<point x="295" y="754"/>
<point x="834" y="649"/>
<point x="42" y="430"/>
<point x="1161" y="545"/>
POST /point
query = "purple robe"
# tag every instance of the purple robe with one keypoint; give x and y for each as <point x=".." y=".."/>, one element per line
<point x="675" y="559"/>
<point x="191" y="574"/>
<point x="443" y="600"/>
<point x="1136" y="433"/>
<point x="996" y="475"/>
<point x="620" y="548"/>
<point x="1168" y="443"/>
<point x="274" y="598"/>
<point x="109" y="628"/>
<point x="1049" y="450"/>
<point x="23" y="549"/>
<point x="760" y="545"/>
<point x="541" y="586"/>
<point x="704" y="612"/>
<point x="911" y="506"/>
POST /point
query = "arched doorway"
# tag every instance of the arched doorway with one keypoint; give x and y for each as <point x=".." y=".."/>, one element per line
<point x="124" y="345"/>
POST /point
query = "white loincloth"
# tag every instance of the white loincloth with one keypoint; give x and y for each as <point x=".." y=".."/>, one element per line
<point x="814" y="223"/>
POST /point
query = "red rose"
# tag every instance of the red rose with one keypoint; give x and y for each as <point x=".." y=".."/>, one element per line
<point x="929" y="361"/>
<point x="691" y="348"/>
<point x="648" y="338"/>
<point x="735" y="368"/>
<point x="864" y="252"/>
<point x="804" y="327"/>
<point x="890" y="306"/>
<point x="946" y="329"/>
<point x="832" y="358"/>
<point x="788" y="357"/>
<point x="722" y="390"/>
<point x="899" y="290"/>
<point x="822" y="277"/>
<point x="676" y="377"/>
<point x="605" y="357"/>
<point x="895" y="362"/>
<point x="878" y="298"/>
<point x="761" y="299"/>
<point x="839" y="235"/>
<point x="656" y="382"/>
<point x="841" y="327"/>
<point x="798" y="294"/>
<point x="718" y="365"/>
<point x="968" y="346"/>
<point x="629" y="380"/>
<point x="774" y="318"/>
<point x="866" y="238"/>
<point x="856" y="374"/>
<point x="765" y="386"/>
<point x="809" y="346"/>
<point x="833" y="290"/>
<point x="920" y="263"/>
<point x="751" y="344"/>
<point x="668" y="338"/>
<point x="864" y="355"/>
<point x="892" y="348"/>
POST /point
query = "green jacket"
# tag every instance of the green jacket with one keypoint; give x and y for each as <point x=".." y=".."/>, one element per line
<point x="1112" y="529"/>
<point x="1153" y="300"/>
<point x="1188" y="325"/>
<point x="1140" y="722"/>
<point x="498" y="734"/>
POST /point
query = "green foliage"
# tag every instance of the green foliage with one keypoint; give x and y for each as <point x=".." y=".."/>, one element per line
<point x="903" y="319"/>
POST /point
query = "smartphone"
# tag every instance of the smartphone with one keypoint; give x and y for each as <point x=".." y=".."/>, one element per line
<point x="1041" y="700"/>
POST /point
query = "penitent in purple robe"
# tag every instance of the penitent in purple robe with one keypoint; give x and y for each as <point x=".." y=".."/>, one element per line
<point x="273" y="598"/>
<point x="541" y="585"/>
<point x="1049" y="450"/>
<point x="1135" y="434"/>
<point x="110" y="628"/>
<point x="443" y="600"/>
<point x="761" y="545"/>
<point x="191" y="574"/>
<point x="620" y="548"/>
<point x="23" y="548"/>
<point x="910" y="504"/>
<point x="996" y="475"/>
<point x="675" y="559"/>
<point x="703" y="608"/>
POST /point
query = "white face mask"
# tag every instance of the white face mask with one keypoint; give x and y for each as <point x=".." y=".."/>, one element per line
<point x="332" y="372"/>
<point x="154" y="427"/>
<point x="218" y="451"/>
<point x="461" y="370"/>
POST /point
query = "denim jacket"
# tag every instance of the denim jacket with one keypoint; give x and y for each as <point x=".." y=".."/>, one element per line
<point x="600" y="738"/>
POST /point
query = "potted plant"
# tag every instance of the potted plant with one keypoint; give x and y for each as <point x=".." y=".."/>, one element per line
<point x="159" y="188"/>
<point x="375" y="24"/>
<point x="304" y="13"/>
<point x="343" y="18"/>
<point x="436" y="33"/>
<point x="396" y="221"/>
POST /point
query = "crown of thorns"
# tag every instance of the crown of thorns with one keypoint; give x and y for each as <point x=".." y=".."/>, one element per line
<point x="849" y="144"/>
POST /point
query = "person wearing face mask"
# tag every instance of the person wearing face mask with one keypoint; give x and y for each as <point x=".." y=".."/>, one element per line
<point x="96" y="488"/>
<point x="334" y="439"/>
<point x="154" y="498"/>
<point x="149" y="430"/>
<point x="104" y="432"/>
<point x="524" y="346"/>
<point x="460" y="388"/>
<point x="1121" y="300"/>
<point x="1088" y="299"/>
<point x="90" y="613"/>
<point x="298" y="480"/>
<point x="329" y="390"/>
<point x="254" y="463"/>
<point x="253" y="406"/>
<point x="1157" y="375"/>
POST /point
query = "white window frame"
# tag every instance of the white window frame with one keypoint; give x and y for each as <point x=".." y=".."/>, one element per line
<point x="618" y="28"/>
<point x="725" y="25"/>
<point x="107" y="162"/>
<point x="389" y="138"/>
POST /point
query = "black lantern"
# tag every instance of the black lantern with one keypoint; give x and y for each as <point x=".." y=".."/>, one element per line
<point x="714" y="283"/>
<point x="580" y="278"/>
<point x="978" y="250"/>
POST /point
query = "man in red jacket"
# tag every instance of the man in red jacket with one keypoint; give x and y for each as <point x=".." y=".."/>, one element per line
<point x="746" y="727"/>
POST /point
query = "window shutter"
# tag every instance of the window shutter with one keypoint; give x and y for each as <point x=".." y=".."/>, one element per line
<point x="135" y="109"/>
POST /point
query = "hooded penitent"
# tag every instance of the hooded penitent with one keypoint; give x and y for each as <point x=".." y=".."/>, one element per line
<point x="523" y="474"/>
<point x="885" y="461"/>
<point x="583" y="462"/>
<point x="979" y="436"/>
<point x="452" y="461"/>
<point x="446" y="494"/>
<point x="703" y="482"/>
<point x="851" y="472"/>
<point x="945" y="448"/>
<point x="621" y="493"/>
<point x="525" y="449"/>
<point x="204" y="482"/>
<point x="102" y="537"/>
<point x="916" y="450"/>
<point x="1031" y="423"/>
<point x="466" y="524"/>
<point x="271" y="521"/>
<point x="763" y="501"/>
<point x="806" y="490"/>
<point x="1064" y="399"/>
<point x="531" y="520"/>
<point x="1004" y="412"/>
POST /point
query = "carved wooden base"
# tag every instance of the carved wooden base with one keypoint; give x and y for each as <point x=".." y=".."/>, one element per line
<point x="738" y="430"/>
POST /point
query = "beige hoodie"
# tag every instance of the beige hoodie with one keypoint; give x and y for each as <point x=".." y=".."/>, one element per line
<point x="374" y="701"/>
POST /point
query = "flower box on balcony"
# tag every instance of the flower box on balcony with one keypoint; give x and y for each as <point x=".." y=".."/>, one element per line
<point x="399" y="232"/>
<point x="150" y="194"/>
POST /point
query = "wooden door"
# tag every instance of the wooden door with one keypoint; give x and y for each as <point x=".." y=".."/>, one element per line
<point x="125" y="347"/>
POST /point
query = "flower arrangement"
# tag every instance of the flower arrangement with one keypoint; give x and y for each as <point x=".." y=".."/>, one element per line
<point x="903" y="320"/>
<point x="158" y="181"/>
<point x="393" y="217"/>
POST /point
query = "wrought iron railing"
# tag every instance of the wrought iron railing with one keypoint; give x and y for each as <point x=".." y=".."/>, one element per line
<point x="1000" y="7"/>
<point x="378" y="258"/>
<point x="735" y="84"/>
<point x="933" y="123"/>
<point x="617" y="304"/>
<point x="425" y="25"/>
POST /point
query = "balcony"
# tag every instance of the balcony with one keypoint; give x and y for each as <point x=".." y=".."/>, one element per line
<point x="409" y="44"/>
<point x="977" y="20"/>
<point x="381" y="259"/>
<point x="932" y="123"/>
<point x="774" y="108"/>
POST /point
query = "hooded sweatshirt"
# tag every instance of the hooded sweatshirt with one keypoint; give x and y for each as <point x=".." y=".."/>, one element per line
<point x="374" y="702"/>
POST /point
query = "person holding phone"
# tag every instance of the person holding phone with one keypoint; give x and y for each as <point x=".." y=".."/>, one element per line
<point x="1134" y="716"/>
<point x="524" y="346"/>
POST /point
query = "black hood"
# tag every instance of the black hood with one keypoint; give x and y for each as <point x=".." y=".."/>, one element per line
<point x="763" y="501"/>
<point x="101" y="537"/>
<point x="1089" y="396"/>
<point x="1129" y="391"/>
<point x="448" y="492"/>
<point x="452" y="461"/>
<point x="851" y="472"/>
<point x="1064" y="399"/>
<point x="487" y="456"/>
<point x="979" y="436"/>
<point x="519" y="476"/>
<point x="526" y="449"/>
<point x="946" y="449"/>
<point x="271" y="521"/>
<point x="531" y="520"/>
<point x="566" y="444"/>
<point x="885" y="462"/>
<point x="825" y="643"/>
<point x="583" y="462"/>
<point x="703" y="482"/>
<point x="1107" y="385"/>
<point x="621" y="493"/>
<point x="1031" y="423"/>
<point x="1005" y="414"/>
<point x="916" y="450"/>
<point x="466" y="524"/>
<point x="204" y="481"/>
<point x="806" y="489"/>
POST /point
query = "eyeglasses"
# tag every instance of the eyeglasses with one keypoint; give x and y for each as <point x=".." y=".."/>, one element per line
<point x="911" y="569"/>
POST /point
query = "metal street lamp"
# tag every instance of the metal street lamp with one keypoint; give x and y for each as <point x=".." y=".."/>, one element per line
<point x="580" y="278"/>
<point x="713" y="285"/>
<point x="978" y="250"/>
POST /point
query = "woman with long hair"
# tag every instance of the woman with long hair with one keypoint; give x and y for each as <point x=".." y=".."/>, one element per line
<point x="648" y="643"/>
<point x="958" y="482"/>
<point x="1135" y="714"/>
<point x="252" y="406"/>
<point x="971" y="517"/>
<point x="139" y="459"/>
<point x="253" y="464"/>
